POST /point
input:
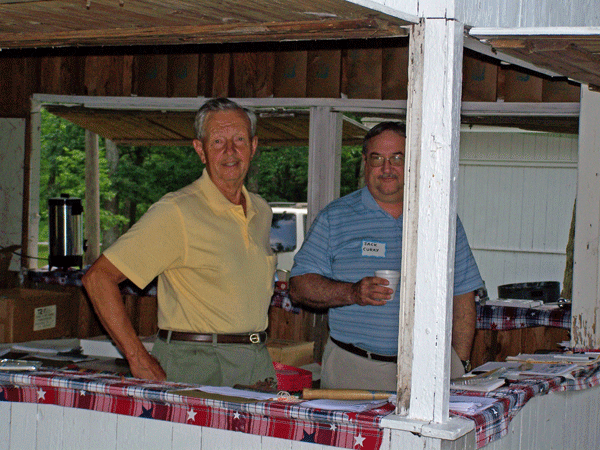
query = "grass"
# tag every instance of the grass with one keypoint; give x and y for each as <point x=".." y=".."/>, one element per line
<point x="43" y="253"/>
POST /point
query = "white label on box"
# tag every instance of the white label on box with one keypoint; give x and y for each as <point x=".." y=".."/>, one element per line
<point x="44" y="318"/>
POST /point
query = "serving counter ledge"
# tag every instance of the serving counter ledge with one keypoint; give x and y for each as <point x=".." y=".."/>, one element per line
<point x="77" y="407"/>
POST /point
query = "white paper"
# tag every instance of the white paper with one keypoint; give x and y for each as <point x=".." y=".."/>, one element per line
<point x="232" y="392"/>
<point x="556" y="358"/>
<point x="469" y="405"/>
<point x="491" y="365"/>
<point x="514" y="302"/>
<point x="344" y="405"/>
<point x="478" y="384"/>
<point x="48" y="347"/>
<point x="518" y="367"/>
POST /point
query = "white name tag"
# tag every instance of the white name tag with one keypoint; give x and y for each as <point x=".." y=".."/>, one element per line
<point x="372" y="248"/>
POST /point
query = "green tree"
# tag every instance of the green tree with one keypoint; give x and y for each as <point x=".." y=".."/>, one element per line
<point x="144" y="174"/>
<point x="351" y="176"/>
<point x="62" y="169"/>
<point x="283" y="173"/>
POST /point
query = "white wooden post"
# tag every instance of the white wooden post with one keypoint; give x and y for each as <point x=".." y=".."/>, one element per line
<point x="585" y="331"/>
<point x="324" y="158"/>
<point x="437" y="145"/>
<point x="34" y="136"/>
<point x="92" y="198"/>
<point x="430" y="201"/>
<point x="410" y="219"/>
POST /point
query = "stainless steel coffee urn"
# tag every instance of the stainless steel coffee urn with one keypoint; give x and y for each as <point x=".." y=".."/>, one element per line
<point x="65" y="232"/>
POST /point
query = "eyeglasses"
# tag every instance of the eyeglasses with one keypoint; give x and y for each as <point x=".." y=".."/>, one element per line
<point x="376" y="160"/>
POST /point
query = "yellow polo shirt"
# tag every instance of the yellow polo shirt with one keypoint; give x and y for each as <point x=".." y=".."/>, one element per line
<point x="214" y="264"/>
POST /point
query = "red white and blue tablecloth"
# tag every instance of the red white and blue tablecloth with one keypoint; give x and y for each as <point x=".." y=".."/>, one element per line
<point x="133" y="397"/>
<point x="493" y="422"/>
<point x="502" y="318"/>
<point x="488" y="317"/>
<point x="112" y="393"/>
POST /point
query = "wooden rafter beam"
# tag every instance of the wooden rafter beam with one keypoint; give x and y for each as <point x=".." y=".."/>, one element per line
<point x="572" y="52"/>
<point x="208" y="34"/>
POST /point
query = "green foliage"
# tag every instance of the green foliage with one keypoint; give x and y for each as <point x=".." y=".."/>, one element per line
<point x="62" y="169"/>
<point x="282" y="174"/>
<point x="350" y="173"/>
<point x="145" y="174"/>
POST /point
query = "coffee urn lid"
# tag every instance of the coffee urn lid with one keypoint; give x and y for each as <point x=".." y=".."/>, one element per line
<point x="66" y="199"/>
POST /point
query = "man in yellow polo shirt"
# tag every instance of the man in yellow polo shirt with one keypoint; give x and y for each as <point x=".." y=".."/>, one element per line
<point x="208" y="243"/>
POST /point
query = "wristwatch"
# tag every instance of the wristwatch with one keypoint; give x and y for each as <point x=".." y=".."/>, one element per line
<point x="466" y="364"/>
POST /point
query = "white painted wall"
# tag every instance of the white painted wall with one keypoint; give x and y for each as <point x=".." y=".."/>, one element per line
<point x="516" y="194"/>
<point x="12" y="138"/>
<point x="559" y="420"/>
<point x="498" y="13"/>
<point x="528" y="13"/>
<point x="31" y="426"/>
<point x="23" y="426"/>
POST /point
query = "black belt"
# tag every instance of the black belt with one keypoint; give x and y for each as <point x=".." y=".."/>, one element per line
<point x="365" y="354"/>
<point x="244" y="338"/>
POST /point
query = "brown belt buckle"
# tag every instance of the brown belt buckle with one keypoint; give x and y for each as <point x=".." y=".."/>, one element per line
<point x="255" y="338"/>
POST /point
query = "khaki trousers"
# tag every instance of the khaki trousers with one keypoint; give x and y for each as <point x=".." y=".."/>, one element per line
<point x="344" y="370"/>
<point x="214" y="364"/>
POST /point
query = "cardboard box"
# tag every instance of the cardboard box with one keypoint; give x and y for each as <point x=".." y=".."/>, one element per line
<point x="394" y="84"/>
<point x="362" y="73"/>
<point x="560" y="91"/>
<point x="323" y="73"/>
<point x="480" y="80"/>
<point x="521" y="86"/>
<point x="33" y="314"/>
<point x="289" y="75"/>
<point x="291" y="353"/>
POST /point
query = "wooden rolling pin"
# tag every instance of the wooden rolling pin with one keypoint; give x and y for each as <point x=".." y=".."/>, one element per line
<point x="344" y="394"/>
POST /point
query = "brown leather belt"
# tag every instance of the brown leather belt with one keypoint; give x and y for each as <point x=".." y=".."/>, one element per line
<point x="244" y="338"/>
<point x="365" y="354"/>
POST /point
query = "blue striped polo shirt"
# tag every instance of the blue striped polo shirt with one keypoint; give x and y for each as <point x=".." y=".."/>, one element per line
<point x="350" y="239"/>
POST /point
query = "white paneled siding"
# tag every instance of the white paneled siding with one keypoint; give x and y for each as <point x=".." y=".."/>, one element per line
<point x="557" y="421"/>
<point x="516" y="194"/>
<point x="33" y="426"/>
<point x="527" y="13"/>
<point x="563" y="420"/>
<point x="496" y="13"/>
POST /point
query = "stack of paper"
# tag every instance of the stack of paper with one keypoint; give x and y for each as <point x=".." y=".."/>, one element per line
<point x="48" y="347"/>
<point x="104" y="346"/>
<point x="470" y="405"/>
<point x="477" y="384"/>
<point x="515" y="302"/>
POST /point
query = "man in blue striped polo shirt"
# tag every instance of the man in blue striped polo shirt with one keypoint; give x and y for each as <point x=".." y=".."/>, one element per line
<point x="351" y="238"/>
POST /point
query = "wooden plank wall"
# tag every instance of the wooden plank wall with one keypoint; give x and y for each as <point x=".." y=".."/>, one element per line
<point x="359" y="73"/>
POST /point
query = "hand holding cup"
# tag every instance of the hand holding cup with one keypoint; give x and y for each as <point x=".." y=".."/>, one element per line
<point x="393" y="278"/>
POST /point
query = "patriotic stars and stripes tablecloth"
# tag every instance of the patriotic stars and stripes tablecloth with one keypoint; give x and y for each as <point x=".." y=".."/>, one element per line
<point x="493" y="422"/>
<point x="510" y="318"/>
<point x="129" y="396"/>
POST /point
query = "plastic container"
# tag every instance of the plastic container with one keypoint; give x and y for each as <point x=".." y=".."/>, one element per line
<point x="292" y="379"/>
<point x="546" y="291"/>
